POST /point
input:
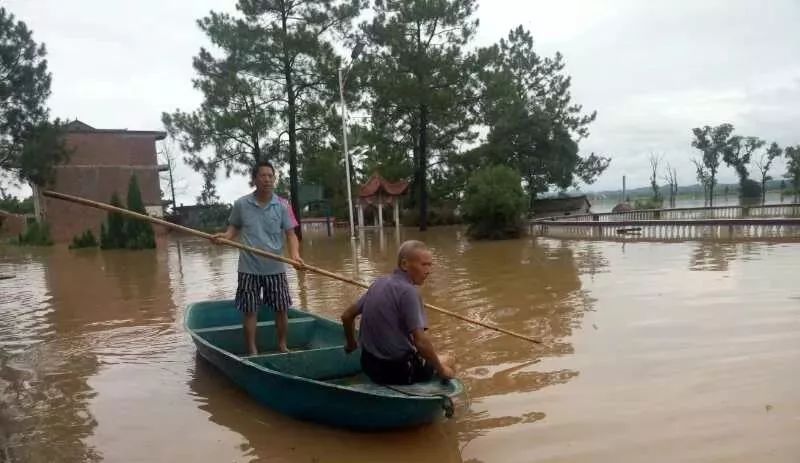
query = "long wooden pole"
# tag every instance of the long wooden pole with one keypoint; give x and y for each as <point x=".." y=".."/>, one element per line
<point x="261" y="252"/>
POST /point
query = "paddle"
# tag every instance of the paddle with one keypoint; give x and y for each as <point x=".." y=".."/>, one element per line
<point x="191" y="231"/>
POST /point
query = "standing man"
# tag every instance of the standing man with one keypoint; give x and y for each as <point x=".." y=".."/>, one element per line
<point x="262" y="220"/>
<point x="395" y="348"/>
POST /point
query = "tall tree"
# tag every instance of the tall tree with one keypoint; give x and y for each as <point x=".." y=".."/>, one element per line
<point x="672" y="180"/>
<point x="24" y="79"/>
<point x="30" y="145"/>
<point x="764" y="163"/>
<point x="169" y="157"/>
<point x="737" y="155"/>
<point x="533" y="123"/>
<point x="704" y="178"/>
<point x="793" y="169"/>
<point x="420" y="89"/>
<point x="654" y="161"/>
<point x="273" y="81"/>
<point x="713" y="142"/>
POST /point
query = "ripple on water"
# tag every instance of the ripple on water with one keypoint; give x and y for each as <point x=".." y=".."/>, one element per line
<point x="25" y="307"/>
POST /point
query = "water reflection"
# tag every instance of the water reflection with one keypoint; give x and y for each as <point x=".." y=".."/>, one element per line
<point x="44" y="389"/>
<point x="92" y="351"/>
<point x="717" y="255"/>
<point x="274" y="437"/>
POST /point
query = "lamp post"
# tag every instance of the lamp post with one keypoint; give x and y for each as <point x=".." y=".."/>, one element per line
<point x="342" y="77"/>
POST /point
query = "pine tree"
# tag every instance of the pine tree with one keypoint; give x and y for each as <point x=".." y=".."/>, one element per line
<point x="418" y="75"/>
<point x="112" y="235"/>
<point x="138" y="234"/>
<point x="534" y="125"/>
<point x="274" y="80"/>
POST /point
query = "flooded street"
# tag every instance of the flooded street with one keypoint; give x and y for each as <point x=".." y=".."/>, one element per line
<point x="653" y="351"/>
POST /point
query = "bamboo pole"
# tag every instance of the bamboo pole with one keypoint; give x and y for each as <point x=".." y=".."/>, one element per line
<point x="261" y="252"/>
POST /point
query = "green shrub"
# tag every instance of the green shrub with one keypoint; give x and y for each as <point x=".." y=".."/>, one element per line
<point x="750" y="189"/>
<point x="494" y="203"/>
<point x="85" y="240"/>
<point x="443" y="214"/>
<point x="138" y="233"/>
<point x="648" y="203"/>
<point x="112" y="234"/>
<point x="123" y="233"/>
<point x="36" y="234"/>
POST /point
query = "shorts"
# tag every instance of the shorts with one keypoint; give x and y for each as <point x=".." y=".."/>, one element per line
<point x="253" y="291"/>
<point x="412" y="369"/>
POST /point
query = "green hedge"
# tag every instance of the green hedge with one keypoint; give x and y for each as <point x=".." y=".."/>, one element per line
<point x="494" y="203"/>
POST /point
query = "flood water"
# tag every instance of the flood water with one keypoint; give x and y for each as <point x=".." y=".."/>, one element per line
<point x="683" y="351"/>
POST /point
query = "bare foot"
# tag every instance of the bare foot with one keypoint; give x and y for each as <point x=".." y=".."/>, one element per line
<point x="283" y="349"/>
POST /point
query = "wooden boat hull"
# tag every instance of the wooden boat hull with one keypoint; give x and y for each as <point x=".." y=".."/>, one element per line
<point x="317" y="381"/>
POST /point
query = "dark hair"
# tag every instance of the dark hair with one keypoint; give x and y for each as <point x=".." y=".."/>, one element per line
<point x="258" y="166"/>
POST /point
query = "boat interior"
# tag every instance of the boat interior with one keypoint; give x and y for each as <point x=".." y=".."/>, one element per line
<point x="316" y="346"/>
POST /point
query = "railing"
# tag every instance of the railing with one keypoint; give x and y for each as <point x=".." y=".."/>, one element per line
<point x="780" y="221"/>
<point x="672" y="229"/>
<point x="684" y="213"/>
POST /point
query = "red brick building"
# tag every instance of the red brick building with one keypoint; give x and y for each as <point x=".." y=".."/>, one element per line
<point x="102" y="162"/>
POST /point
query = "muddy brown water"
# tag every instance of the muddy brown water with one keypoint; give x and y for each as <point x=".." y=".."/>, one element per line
<point x="653" y="352"/>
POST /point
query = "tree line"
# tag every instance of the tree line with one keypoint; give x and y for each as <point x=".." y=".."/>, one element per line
<point x="419" y="91"/>
<point x="720" y="144"/>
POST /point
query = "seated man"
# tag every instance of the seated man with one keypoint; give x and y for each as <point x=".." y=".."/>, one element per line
<point x="394" y="346"/>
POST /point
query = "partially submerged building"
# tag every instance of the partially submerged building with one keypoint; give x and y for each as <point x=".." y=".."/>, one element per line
<point x="102" y="163"/>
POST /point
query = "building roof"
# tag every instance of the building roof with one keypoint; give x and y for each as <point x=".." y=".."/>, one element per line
<point x="377" y="184"/>
<point x="78" y="126"/>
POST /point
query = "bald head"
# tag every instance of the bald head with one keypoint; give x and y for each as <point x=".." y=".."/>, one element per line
<point x="408" y="251"/>
<point x="414" y="258"/>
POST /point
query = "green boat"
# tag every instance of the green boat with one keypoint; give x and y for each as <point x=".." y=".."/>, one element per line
<point x="316" y="381"/>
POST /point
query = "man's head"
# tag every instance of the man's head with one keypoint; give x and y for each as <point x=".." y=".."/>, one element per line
<point x="263" y="176"/>
<point x="414" y="258"/>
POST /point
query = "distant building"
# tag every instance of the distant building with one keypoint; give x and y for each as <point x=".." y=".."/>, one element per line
<point x="102" y="162"/>
<point x="559" y="206"/>
<point x="202" y="216"/>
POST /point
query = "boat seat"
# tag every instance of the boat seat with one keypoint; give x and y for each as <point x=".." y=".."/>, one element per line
<point x="230" y="337"/>
<point x="321" y="363"/>
<point x="292" y="321"/>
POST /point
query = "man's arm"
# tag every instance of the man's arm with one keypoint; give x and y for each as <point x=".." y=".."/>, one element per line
<point x="294" y="246"/>
<point x="349" y="323"/>
<point x="425" y="348"/>
<point x="234" y="225"/>
<point x="414" y="321"/>
<point x="230" y="234"/>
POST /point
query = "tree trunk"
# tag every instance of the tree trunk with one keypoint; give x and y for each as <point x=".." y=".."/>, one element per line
<point x="414" y="187"/>
<point x="423" y="167"/>
<point x="171" y="165"/>
<point x="711" y="191"/>
<point x="292" y="116"/>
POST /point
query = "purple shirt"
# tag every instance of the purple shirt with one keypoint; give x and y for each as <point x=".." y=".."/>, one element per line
<point x="390" y="310"/>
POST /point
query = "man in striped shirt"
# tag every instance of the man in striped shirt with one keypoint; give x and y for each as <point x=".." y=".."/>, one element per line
<point x="265" y="221"/>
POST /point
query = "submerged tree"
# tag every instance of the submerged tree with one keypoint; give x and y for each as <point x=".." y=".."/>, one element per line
<point x="494" y="203"/>
<point x="737" y="155"/>
<point x="793" y="169"/>
<point x="763" y="165"/>
<point x="713" y="142"/>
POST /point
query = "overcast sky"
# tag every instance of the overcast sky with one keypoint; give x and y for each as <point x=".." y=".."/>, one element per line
<point x="652" y="70"/>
